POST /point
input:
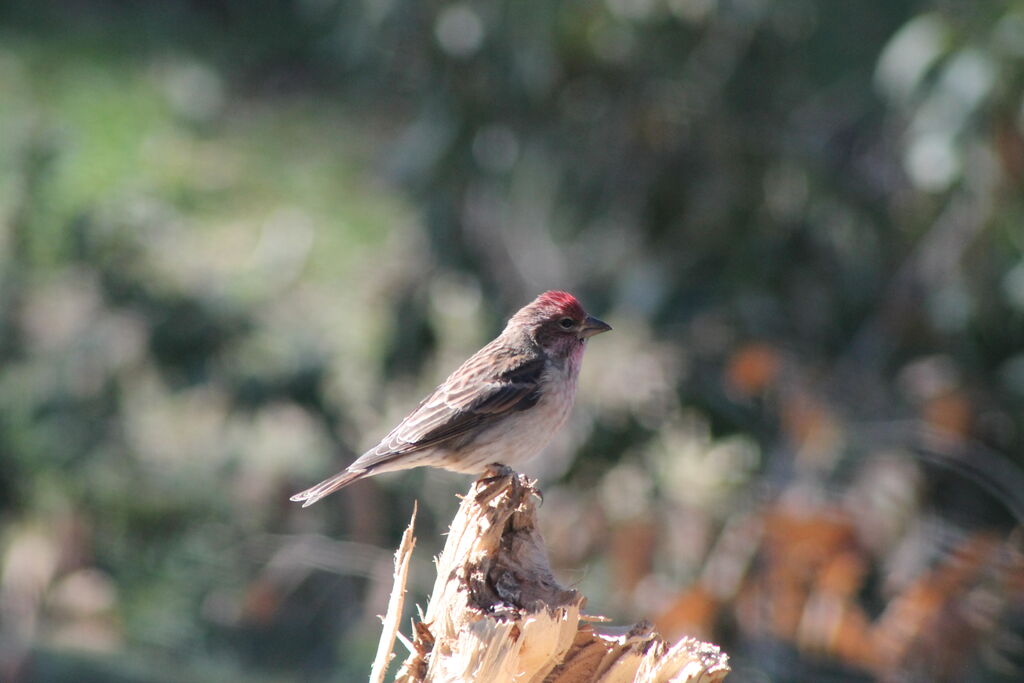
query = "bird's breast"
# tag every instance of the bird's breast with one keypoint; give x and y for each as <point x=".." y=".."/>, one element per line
<point x="524" y="434"/>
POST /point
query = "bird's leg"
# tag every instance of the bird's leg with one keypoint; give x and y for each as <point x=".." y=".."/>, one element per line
<point x="496" y="470"/>
<point x="493" y="480"/>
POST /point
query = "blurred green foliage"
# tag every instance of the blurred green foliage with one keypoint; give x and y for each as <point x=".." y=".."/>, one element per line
<point x="239" y="239"/>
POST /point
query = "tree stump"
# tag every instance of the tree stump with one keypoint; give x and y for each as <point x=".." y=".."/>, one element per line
<point x="497" y="613"/>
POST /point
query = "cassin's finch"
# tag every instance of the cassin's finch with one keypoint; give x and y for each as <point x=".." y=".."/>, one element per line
<point x="502" y="406"/>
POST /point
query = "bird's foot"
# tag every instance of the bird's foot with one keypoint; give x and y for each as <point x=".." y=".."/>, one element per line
<point x="496" y="470"/>
<point x="494" y="478"/>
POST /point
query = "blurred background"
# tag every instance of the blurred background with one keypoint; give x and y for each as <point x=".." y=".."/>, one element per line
<point x="239" y="239"/>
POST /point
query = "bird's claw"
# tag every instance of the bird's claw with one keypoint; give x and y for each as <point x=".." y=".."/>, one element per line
<point x="496" y="470"/>
<point x="493" y="480"/>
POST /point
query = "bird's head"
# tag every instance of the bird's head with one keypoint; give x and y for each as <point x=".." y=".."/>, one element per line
<point x="557" y="322"/>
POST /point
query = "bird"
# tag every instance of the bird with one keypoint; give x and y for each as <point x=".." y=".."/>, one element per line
<point x="499" y="408"/>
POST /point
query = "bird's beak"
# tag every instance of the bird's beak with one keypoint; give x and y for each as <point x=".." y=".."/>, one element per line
<point x="592" y="326"/>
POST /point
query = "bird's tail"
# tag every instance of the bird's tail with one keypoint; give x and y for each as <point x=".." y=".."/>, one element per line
<point x="328" y="486"/>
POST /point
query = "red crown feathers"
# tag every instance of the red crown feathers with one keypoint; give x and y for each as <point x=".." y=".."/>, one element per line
<point x="564" y="302"/>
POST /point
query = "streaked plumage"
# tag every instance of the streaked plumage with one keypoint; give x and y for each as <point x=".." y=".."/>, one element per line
<point x="502" y="405"/>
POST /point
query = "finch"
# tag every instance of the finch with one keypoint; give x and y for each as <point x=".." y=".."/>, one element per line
<point x="501" y="407"/>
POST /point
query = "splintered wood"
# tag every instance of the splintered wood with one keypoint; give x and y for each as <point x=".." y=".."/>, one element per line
<point x="394" y="613"/>
<point x="497" y="614"/>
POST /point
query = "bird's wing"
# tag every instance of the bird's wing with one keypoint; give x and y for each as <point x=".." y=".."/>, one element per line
<point x="493" y="383"/>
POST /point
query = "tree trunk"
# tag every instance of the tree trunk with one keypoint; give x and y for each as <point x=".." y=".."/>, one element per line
<point x="497" y="614"/>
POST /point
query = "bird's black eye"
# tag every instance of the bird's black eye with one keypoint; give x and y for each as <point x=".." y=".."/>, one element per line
<point x="566" y="323"/>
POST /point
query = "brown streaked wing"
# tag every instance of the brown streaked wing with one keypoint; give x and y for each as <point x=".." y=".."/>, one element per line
<point x="471" y="397"/>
